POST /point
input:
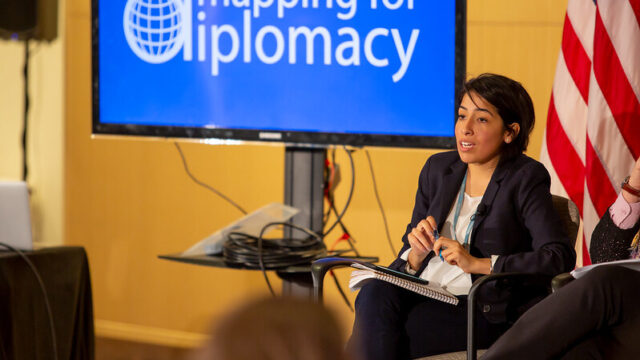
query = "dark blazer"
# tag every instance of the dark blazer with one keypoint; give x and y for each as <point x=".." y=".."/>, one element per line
<point x="516" y="220"/>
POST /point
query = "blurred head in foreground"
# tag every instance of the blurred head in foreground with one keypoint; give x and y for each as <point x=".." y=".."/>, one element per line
<point x="276" y="329"/>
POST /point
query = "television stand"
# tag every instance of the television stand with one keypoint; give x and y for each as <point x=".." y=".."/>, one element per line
<point x="304" y="190"/>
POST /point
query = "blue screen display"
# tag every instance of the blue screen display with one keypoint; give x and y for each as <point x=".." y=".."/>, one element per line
<point x="319" y="66"/>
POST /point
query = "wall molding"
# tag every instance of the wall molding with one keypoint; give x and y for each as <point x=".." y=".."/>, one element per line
<point x="148" y="334"/>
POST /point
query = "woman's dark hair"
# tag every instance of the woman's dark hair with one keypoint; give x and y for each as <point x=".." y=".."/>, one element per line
<point x="513" y="103"/>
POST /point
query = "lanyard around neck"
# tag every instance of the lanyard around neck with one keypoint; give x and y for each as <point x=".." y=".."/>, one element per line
<point x="456" y="214"/>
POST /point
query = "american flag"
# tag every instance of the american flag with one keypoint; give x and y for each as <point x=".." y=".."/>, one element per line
<point x="593" y="126"/>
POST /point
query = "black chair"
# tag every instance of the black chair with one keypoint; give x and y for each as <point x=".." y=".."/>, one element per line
<point x="570" y="216"/>
<point x="561" y="280"/>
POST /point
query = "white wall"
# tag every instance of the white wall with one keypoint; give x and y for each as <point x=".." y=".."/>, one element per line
<point x="46" y="128"/>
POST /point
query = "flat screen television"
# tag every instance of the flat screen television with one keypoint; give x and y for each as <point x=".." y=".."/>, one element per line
<point x="355" y="72"/>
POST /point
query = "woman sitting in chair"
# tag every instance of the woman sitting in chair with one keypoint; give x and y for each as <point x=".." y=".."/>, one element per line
<point x="492" y="207"/>
<point x="597" y="316"/>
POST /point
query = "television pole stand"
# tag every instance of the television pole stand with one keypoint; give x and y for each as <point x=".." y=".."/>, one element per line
<point x="304" y="190"/>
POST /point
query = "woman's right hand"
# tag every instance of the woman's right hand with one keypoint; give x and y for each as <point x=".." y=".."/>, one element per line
<point x="421" y="240"/>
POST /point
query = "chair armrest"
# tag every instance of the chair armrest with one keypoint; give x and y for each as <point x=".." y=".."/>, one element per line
<point x="319" y="269"/>
<point x="471" y="302"/>
<point x="560" y="281"/>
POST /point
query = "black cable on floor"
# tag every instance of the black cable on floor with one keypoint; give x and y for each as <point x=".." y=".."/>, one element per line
<point x="44" y="293"/>
<point x="206" y="186"/>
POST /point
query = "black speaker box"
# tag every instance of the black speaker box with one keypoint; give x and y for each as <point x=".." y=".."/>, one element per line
<point x="29" y="19"/>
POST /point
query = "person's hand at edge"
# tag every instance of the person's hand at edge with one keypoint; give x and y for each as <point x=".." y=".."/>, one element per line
<point x="634" y="181"/>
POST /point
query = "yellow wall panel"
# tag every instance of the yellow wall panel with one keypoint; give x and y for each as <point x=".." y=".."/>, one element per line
<point x="516" y="11"/>
<point x="128" y="200"/>
<point x="45" y="142"/>
<point x="519" y="39"/>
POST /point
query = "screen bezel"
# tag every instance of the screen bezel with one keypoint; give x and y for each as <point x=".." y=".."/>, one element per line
<point x="279" y="136"/>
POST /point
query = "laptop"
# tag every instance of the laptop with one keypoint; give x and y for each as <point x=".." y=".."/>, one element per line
<point x="15" y="216"/>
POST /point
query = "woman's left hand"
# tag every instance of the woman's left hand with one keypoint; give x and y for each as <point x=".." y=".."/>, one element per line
<point x="455" y="254"/>
<point x="634" y="181"/>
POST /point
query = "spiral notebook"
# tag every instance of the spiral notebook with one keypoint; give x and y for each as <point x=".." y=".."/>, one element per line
<point x="366" y="272"/>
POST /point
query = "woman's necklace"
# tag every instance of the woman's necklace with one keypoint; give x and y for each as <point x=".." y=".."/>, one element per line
<point x="456" y="215"/>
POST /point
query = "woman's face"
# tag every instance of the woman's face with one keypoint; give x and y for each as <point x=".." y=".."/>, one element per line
<point x="480" y="131"/>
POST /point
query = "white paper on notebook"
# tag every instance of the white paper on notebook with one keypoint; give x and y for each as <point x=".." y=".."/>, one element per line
<point x="633" y="264"/>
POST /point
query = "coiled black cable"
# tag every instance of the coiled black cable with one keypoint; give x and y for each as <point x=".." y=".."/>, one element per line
<point x="248" y="251"/>
<point x="252" y="252"/>
<point x="243" y="250"/>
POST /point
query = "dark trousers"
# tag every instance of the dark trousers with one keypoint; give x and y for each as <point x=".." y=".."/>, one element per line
<point x="394" y="323"/>
<point x="595" y="317"/>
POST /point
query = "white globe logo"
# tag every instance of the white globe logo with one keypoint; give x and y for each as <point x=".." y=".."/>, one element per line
<point x="153" y="28"/>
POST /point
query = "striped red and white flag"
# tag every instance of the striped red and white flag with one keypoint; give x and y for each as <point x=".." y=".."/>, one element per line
<point x="593" y="126"/>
